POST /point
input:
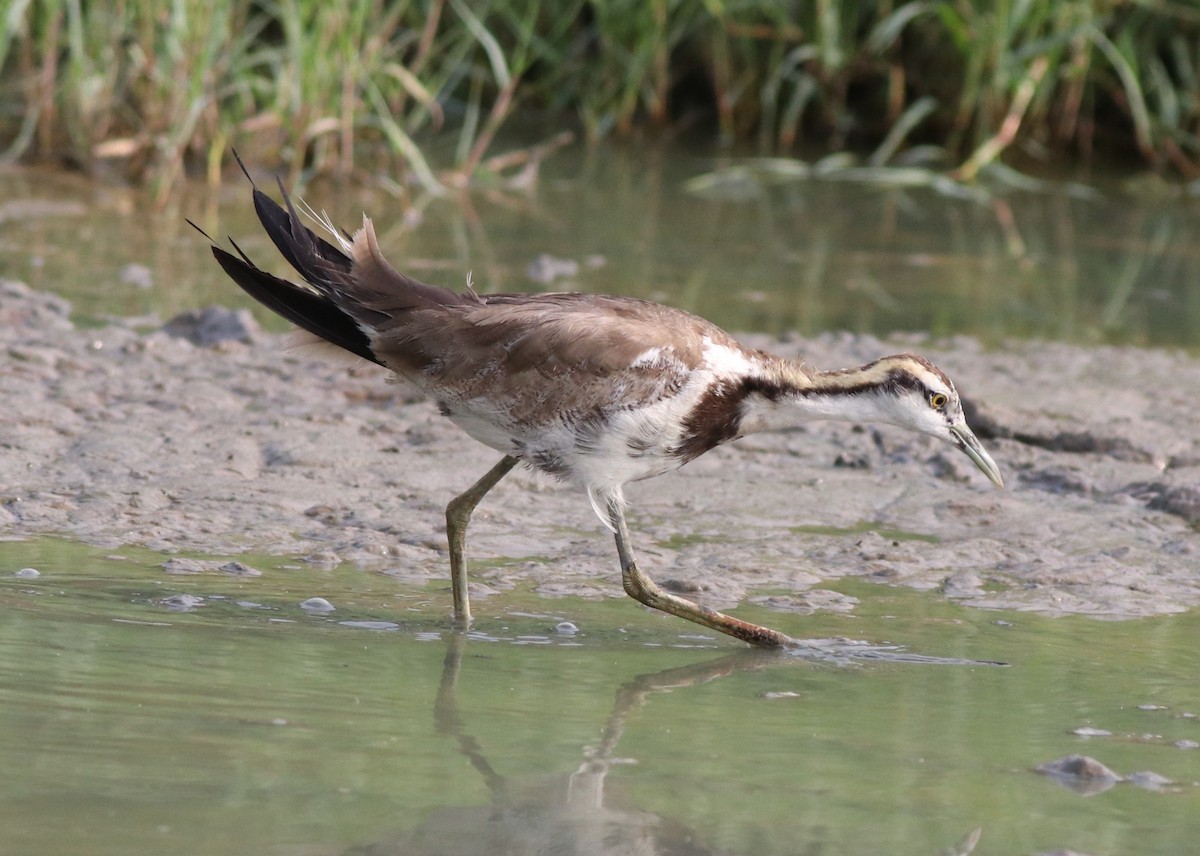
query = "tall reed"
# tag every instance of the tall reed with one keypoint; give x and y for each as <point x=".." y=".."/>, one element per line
<point x="159" y="87"/>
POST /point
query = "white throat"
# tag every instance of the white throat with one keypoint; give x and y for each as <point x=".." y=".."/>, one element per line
<point x="761" y="414"/>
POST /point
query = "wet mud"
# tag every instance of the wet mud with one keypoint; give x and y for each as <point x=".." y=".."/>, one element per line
<point x="206" y="435"/>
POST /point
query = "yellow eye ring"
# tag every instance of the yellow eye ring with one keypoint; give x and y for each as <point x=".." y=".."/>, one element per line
<point x="937" y="400"/>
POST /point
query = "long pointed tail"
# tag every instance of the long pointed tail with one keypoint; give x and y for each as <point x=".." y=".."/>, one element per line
<point x="351" y="289"/>
<point x="305" y="308"/>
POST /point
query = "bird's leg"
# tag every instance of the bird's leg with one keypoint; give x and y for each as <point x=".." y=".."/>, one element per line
<point x="458" y="515"/>
<point x="642" y="588"/>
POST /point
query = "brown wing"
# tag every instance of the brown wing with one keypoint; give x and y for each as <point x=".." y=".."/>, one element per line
<point x="557" y="353"/>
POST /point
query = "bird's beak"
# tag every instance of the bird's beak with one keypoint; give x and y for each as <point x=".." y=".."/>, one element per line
<point x="969" y="443"/>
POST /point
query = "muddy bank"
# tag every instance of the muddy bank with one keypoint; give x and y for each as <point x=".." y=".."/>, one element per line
<point x="134" y="434"/>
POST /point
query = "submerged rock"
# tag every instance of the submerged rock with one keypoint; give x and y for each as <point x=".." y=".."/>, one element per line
<point x="182" y="565"/>
<point x="1088" y="731"/>
<point x="1150" y="780"/>
<point x="1080" y="773"/>
<point x="182" y="602"/>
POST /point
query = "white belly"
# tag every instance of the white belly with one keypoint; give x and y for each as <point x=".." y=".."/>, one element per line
<point x="600" y="453"/>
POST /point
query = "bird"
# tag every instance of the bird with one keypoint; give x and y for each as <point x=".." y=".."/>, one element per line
<point x="594" y="390"/>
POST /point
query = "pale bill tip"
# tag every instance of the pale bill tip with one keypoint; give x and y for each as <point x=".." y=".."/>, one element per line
<point x="976" y="452"/>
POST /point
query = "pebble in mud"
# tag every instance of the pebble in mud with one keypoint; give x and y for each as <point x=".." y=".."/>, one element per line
<point x="1183" y="501"/>
<point x="214" y="325"/>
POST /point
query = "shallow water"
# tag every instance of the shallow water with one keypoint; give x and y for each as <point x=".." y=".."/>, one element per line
<point x="809" y="256"/>
<point x="248" y="725"/>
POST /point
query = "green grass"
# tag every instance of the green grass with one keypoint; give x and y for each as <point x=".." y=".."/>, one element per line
<point x="155" y="89"/>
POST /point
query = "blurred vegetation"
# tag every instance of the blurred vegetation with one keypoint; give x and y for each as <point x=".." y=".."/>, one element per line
<point x="155" y="89"/>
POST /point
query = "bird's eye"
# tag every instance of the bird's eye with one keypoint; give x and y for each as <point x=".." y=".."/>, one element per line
<point x="937" y="400"/>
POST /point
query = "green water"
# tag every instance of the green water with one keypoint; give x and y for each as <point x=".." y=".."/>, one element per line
<point x="810" y="256"/>
<point x="250" y="726"/>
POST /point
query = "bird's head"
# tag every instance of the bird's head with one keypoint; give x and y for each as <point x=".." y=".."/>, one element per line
<point x="912" y="392"/>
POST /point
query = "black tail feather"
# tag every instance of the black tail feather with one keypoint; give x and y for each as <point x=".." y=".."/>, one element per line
<point x="317" y="260"/>
<point x="198" y="229"/>
<point x="347" y="296"/>
<point x="312" y="256"/>
<point x="313" y="312"/>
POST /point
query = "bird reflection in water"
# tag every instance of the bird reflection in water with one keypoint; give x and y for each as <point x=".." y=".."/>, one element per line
<point x="578" y="814"/>
<point x="572" y="814"/>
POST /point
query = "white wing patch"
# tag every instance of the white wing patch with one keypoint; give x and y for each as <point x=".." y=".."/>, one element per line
<point x="724" y="361"/>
